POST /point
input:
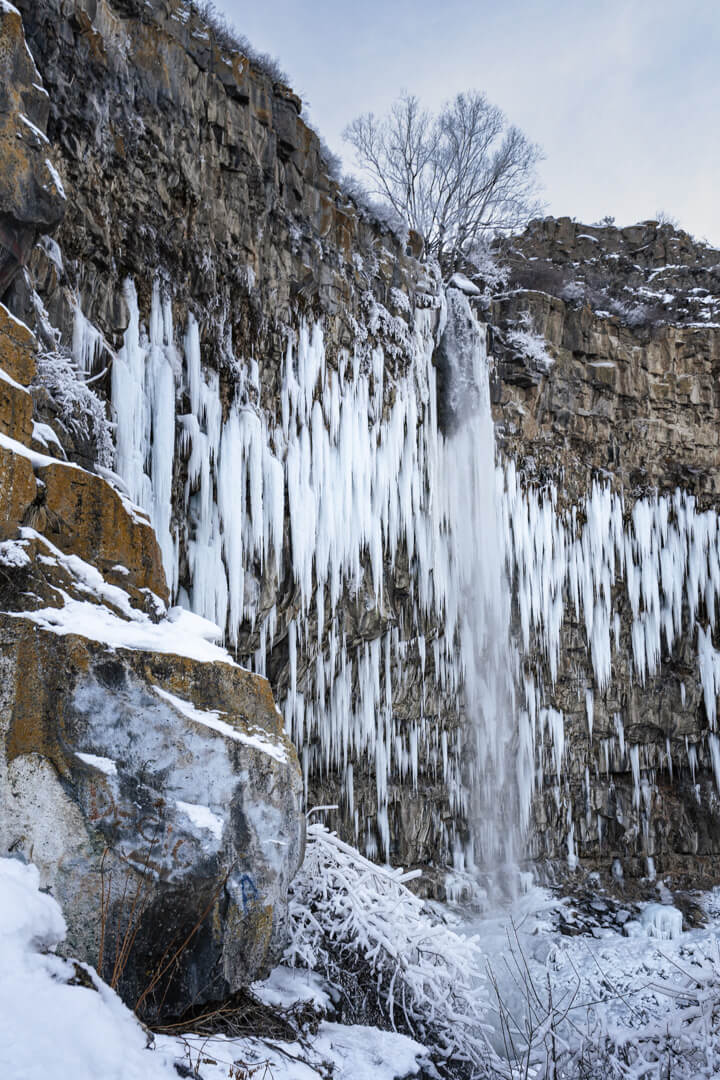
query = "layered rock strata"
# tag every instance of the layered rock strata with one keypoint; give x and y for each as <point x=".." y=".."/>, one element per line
<point x="611" y="417"/>
<point x="143" y="772"/>
<point x="199" y="315"/>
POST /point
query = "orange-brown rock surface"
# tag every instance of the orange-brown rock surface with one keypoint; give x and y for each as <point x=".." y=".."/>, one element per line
<point x="31" y="196"/>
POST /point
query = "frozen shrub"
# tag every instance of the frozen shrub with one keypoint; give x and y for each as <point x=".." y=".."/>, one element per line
<point x="389" y="959"/>
<point x="230" y="40"/>
<point x="525" y="341"/>
<point x="79" y="409"/>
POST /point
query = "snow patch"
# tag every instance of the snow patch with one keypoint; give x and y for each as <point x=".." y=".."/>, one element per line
<point x="202" y="817"/>
<point x="12" y="553"/>
<point x="464" y="284"/>
<point x="102" y="764"/>
<point x="212" y="720"/>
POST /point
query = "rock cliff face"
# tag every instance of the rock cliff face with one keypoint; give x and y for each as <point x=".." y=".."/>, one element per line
<point x="209" y="269"/>
<point x="277" y="368"/>
<point x="614" y="433"/>
<point x="142" y="770"/>
<point x="31" y="194"/>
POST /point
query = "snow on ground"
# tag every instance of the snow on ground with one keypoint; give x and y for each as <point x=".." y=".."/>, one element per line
<point x="60" y="1021"/>
<point x="629" y="998"/>
<point x="635" y="996"/>
<point x="287" y="986"/>
<point x="50" y="1030"/>
<point x="354" y="1052"/>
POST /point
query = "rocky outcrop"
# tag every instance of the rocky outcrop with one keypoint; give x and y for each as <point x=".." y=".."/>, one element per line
<point x="160" y="804"/>
<point x="626" y="401"/>
<point x="32" y="200"/>
<point x="218" y="187"/>
<point x="652" y="273"/>
<point x="639" y="403"/>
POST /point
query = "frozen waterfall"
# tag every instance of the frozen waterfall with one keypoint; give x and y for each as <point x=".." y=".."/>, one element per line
<point x="500" y="768"/>
<point x="344" y="479"/>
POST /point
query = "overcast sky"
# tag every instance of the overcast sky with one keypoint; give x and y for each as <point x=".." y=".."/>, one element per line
<point x="622" y="95"/>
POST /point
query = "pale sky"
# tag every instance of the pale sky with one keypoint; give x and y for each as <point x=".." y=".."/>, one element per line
<point x="623" y="96"/>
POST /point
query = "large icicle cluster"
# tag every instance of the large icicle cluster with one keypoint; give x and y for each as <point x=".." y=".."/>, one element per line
<point x="658" y="561"/>
<point x="667" y="554"/>
<point x="347" y="481"/>
<point x="144" y="375"/>
<point x="348" y="475"/>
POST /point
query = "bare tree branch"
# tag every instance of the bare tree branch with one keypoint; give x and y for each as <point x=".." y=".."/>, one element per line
<point x="455" y="177"/>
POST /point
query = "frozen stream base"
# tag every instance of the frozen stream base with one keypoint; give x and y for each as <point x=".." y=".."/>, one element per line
<point x="602" y="989"/>
<point x="622" y="1000"/>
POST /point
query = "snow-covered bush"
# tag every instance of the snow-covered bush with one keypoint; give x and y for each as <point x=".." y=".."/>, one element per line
<point x="525" y="341"/>
<point x="230" y="40"/>
<point x="573" y="292"/>
<point x="373" y="208"/>
<point x="487" y="267"/>
<point x="392" y="330"/>
<point x="634" y="312"/>
<point x="610" y="1007"/>
<point x="390" y="961"/>
<point x="79" y="409"/>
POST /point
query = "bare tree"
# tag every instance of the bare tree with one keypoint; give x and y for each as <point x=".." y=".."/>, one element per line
<point x="456" y="177"/>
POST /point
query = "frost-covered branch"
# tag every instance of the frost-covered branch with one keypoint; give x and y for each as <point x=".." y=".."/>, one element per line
<point x="361" y="927"/>
<point x="79" y="409"/>
<point x="455" y="178"/>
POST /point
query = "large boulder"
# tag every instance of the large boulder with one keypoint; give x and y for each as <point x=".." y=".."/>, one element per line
<point x="144" y="773"/>
<point x="161" y="803"/>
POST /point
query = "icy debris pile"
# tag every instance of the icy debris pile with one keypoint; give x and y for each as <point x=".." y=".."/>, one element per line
<point x="619" y="1001"/>
<point x="662" y="921"/>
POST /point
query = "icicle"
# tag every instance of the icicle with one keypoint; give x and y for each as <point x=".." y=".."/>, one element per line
<point x="590" y="710"/>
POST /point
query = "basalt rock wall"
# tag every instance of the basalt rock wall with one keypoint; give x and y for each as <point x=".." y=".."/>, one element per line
<point x="615" y="432"/>
<point x="204" y="227"/>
